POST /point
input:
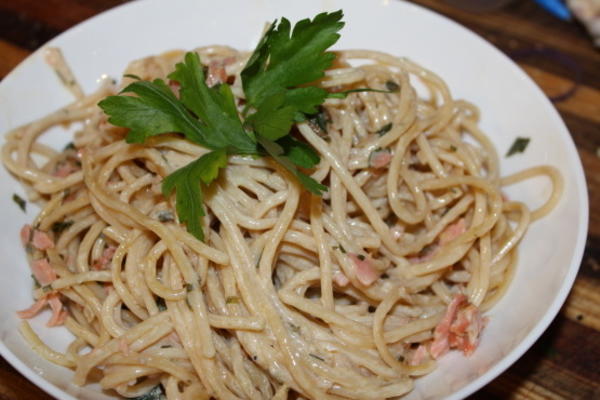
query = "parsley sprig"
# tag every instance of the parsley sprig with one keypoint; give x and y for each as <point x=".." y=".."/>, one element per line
<point x="276" y="82"/>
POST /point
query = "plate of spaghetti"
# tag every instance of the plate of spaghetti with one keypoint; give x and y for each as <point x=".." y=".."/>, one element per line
<point x="279" y="200"/>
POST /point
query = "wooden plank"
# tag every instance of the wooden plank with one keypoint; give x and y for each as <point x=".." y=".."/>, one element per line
<point x="11" y="56"/>
<point x="58" y="14"/>
<point x="525" y="27"/>
<point x="582" y="304"/>
<point x="585" y="101"/>
<point x="523" y="19"/>
<point x="22" y="31"/>
<point x="591" y="166"/>
<point x="14" y="386"/>
<point x="562" y="364"/>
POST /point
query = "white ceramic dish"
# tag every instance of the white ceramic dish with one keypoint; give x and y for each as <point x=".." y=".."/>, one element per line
<point x="511" y="105"/>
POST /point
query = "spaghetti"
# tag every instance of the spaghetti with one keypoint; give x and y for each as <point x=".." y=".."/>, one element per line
<point x="350" y="295"/>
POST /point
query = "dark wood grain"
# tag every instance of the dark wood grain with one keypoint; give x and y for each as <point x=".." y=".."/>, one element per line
<point x="565" y="361"/>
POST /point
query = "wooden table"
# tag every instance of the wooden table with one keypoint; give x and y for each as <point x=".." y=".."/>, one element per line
<point x="565" y="361"/>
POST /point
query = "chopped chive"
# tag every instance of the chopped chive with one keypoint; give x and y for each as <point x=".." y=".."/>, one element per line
<point x="392" y="86"/>
<point x="295" y="328"/>
<point x="316" y="357"/>
<point x="232" y="300"/>
<point x="60" y="226"/>
<point x="384" y="129"/>
<point x="518" y="146"/>
<point x="340" y="248"/>
<point x="20" y="202"/>
<point x="69" y="146"/>
<point x="453" y="148"/>
<point x="166" y="216"/>
<point x="361" y="257"/>
<point x="156" y="393"/>
<point x="132" y="76"/>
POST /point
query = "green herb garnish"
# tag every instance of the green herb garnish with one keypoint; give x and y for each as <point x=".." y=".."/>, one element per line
<point x="132" y="76"/>
<point x="160" y="303"/>
<point x="232" y="300"/>
<point x="60" y="226"/>
<point x="385" y="129"/>
<point x="340" y="248"/>
<point x="392" y="86"/>
<point x="518" y="146"/>
<point x="276" y="82"/>
<point x="69" y="146"/>
<point x="20" y="202"/>
<point x="165" y="216"/>
<point x="157" y="393"/>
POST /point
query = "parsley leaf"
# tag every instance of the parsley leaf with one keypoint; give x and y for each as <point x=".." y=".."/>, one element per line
<point x="186" y="181"/>
<point x="300" y="153"/>
<point x="214" y="106"/>
<point x="154" y="111"/>
<point x="282" y="60"/>
<point x="277" y="152"/>
<point x="273" y="119"/>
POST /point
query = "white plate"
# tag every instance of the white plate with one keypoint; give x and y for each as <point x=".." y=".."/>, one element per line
<point x="511" y="105"/>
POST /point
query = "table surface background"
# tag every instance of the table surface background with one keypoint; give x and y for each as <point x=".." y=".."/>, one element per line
<point x="565" y="361"/>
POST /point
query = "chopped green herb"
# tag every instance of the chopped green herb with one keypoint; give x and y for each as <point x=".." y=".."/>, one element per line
<point x="340" y="248"/>
<point x="36" y="283"/>
<point x="60" y="226"/>
<point x="165" y="346"/>
<point x="20" y="202"/>
<point x="189" y="287"/>
<point x="316" y="357"/>
<point x="453" y="148"/>
<point x="69" y="146"/>
<point x="232" y="300"/>
<point x="392" y="86"/>
<point x="518" y="146"/>
<point x="132" y="76"/>
<point x="166" y="216"/>
<point x="384" y="129"/>
<point x="157" y="393"/>
<point x="295" y="328"/>
<point x="360" y="257"/>
<point x="320" y="119"/>
<point x="345" y="93"/>
<point x="160" y="303"/>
